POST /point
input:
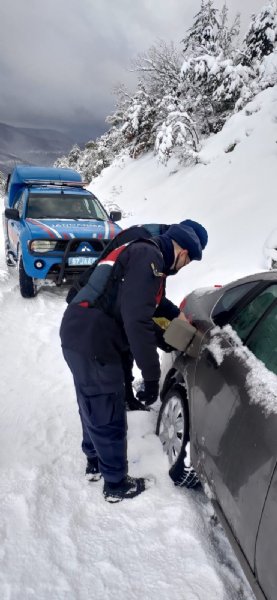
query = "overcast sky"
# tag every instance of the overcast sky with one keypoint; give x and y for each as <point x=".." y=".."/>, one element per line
<point x="60" y="59"/>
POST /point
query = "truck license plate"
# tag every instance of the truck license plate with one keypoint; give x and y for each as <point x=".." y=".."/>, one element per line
<point x="80" y="261"/>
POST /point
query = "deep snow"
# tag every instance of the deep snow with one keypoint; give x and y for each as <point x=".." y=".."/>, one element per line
<point x="59" y="539"/>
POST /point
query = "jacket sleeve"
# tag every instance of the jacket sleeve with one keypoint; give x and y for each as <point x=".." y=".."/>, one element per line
<point x="139" y="291"/>
<point x="167" y="309"/>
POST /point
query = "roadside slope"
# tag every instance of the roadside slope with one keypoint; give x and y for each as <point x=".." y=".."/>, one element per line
<point x="232" y="192"/>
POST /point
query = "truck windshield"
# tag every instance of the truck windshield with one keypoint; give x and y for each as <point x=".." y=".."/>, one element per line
<point x="64" y="206"/>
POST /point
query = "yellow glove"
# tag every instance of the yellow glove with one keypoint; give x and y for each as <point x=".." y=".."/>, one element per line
<point x="162" y="322"/>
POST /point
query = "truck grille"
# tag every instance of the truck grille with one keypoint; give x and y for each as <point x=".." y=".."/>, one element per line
<point x="96" y="244"/>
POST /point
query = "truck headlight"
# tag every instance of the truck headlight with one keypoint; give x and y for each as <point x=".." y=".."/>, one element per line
<point x="42" y="245"/>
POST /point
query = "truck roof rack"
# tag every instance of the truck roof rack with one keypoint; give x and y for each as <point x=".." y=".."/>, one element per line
<point x="59" y="183"/>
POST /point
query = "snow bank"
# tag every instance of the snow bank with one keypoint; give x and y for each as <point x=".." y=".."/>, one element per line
<point x="232" y="192"/>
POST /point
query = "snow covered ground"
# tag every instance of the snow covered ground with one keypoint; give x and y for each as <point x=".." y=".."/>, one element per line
<point x="59" y="540"/>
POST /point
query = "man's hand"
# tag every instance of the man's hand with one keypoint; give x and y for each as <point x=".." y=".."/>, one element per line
<point x="183" y="317"/>
<point x="150" y="393"/>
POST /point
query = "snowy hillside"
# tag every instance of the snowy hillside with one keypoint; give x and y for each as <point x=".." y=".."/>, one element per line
<point x="232" y="192"/>
<point x="59" y="539"/>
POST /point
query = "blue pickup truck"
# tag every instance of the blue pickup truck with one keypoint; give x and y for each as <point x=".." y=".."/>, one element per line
<point x="53" y="227"/>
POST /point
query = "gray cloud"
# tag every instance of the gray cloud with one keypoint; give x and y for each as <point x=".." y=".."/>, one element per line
<point x="60" y="59"/>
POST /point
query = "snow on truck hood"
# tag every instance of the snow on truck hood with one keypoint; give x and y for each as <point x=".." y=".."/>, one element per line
<point x="70" y="228"/>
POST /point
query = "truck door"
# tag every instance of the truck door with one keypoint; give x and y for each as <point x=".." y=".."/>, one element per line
<point x="14" y="228"/>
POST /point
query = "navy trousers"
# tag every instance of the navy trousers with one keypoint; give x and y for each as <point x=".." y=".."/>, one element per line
<point x="101" y="399"/>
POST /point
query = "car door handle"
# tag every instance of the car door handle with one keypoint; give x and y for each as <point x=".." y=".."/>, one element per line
<point x="211" y="360"/>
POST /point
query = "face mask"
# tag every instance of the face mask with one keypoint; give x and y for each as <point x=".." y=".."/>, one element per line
<point x="173" y="271"/>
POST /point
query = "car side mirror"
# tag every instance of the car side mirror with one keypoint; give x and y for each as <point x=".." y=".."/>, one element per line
<point x="183" y="336"/>
<point x="12" y="213"/>
<point x="115" y="215"/>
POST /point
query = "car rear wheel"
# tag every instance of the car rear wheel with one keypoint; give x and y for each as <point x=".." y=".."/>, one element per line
<point x="26" y="283"/>
<point x="173" y="431"/>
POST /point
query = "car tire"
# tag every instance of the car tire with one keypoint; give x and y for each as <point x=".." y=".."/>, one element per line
<point x="26" y="283"/>
<point x="173" y="431"/>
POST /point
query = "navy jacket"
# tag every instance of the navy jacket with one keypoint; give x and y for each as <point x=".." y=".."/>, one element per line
<point x="140" y="291"/>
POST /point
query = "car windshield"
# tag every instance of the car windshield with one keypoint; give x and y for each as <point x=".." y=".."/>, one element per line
<point x="64" y="206"/>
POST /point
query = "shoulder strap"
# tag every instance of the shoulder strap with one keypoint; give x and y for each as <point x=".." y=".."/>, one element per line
<point x="133" y="233"/>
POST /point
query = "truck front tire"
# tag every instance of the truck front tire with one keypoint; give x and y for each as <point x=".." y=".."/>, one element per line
<point x="26" y="283"/>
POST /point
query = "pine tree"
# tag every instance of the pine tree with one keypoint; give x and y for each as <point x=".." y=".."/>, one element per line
<point x="177" y="133"/>
<point x="211" y="83"/>
<point x="159" y="70"/>
<point x="202" y="36"/>
<point x="227" y="35"/>
<point x="200" y="50"/>
<point x="137" y="129"/>
<point x="261" y="36"/>
<point x="123" y="102"/>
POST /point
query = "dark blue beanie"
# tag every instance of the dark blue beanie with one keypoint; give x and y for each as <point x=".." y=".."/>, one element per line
<point x="187" y="239"/>
<point x="199" y="230"/>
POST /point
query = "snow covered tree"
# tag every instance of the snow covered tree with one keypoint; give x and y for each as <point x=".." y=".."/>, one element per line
<point x="137" y="129"/>
<point x="123" y="102"/>
<point x="177" y="133"/>
<point x="74" y="155"/>
<point x="227" y="35"/>
<point x="233" y="90"/>
<point x="176" y="103"/>
<point x="211" y="81"/>
<point x="159" y="68"/>
<point x="138" y="117"/>
<point x="100" y="154"/>
<point x="71" y="160"/>
<point x="261" y="36"/>
<point x="201" y="37"/>
<point x="96" y="155"/>
<point x="159" y="71"/>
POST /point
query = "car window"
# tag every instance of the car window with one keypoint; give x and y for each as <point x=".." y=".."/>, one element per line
<point x="262" y="341"/>
<point x="230" y="298"/>
<point x="248" y="317"/>
<point x="19" y="204"/>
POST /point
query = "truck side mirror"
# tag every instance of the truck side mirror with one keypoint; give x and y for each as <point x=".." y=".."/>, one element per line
<point x="12" y="213"/>
<point x="115" y="215"/>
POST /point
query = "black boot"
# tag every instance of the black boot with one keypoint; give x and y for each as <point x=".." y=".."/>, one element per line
<point x="129" y="487"/>
<point x="92" y="470"/>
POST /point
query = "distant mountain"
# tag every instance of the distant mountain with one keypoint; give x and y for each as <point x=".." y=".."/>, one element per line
<point x="31" y="146"/>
